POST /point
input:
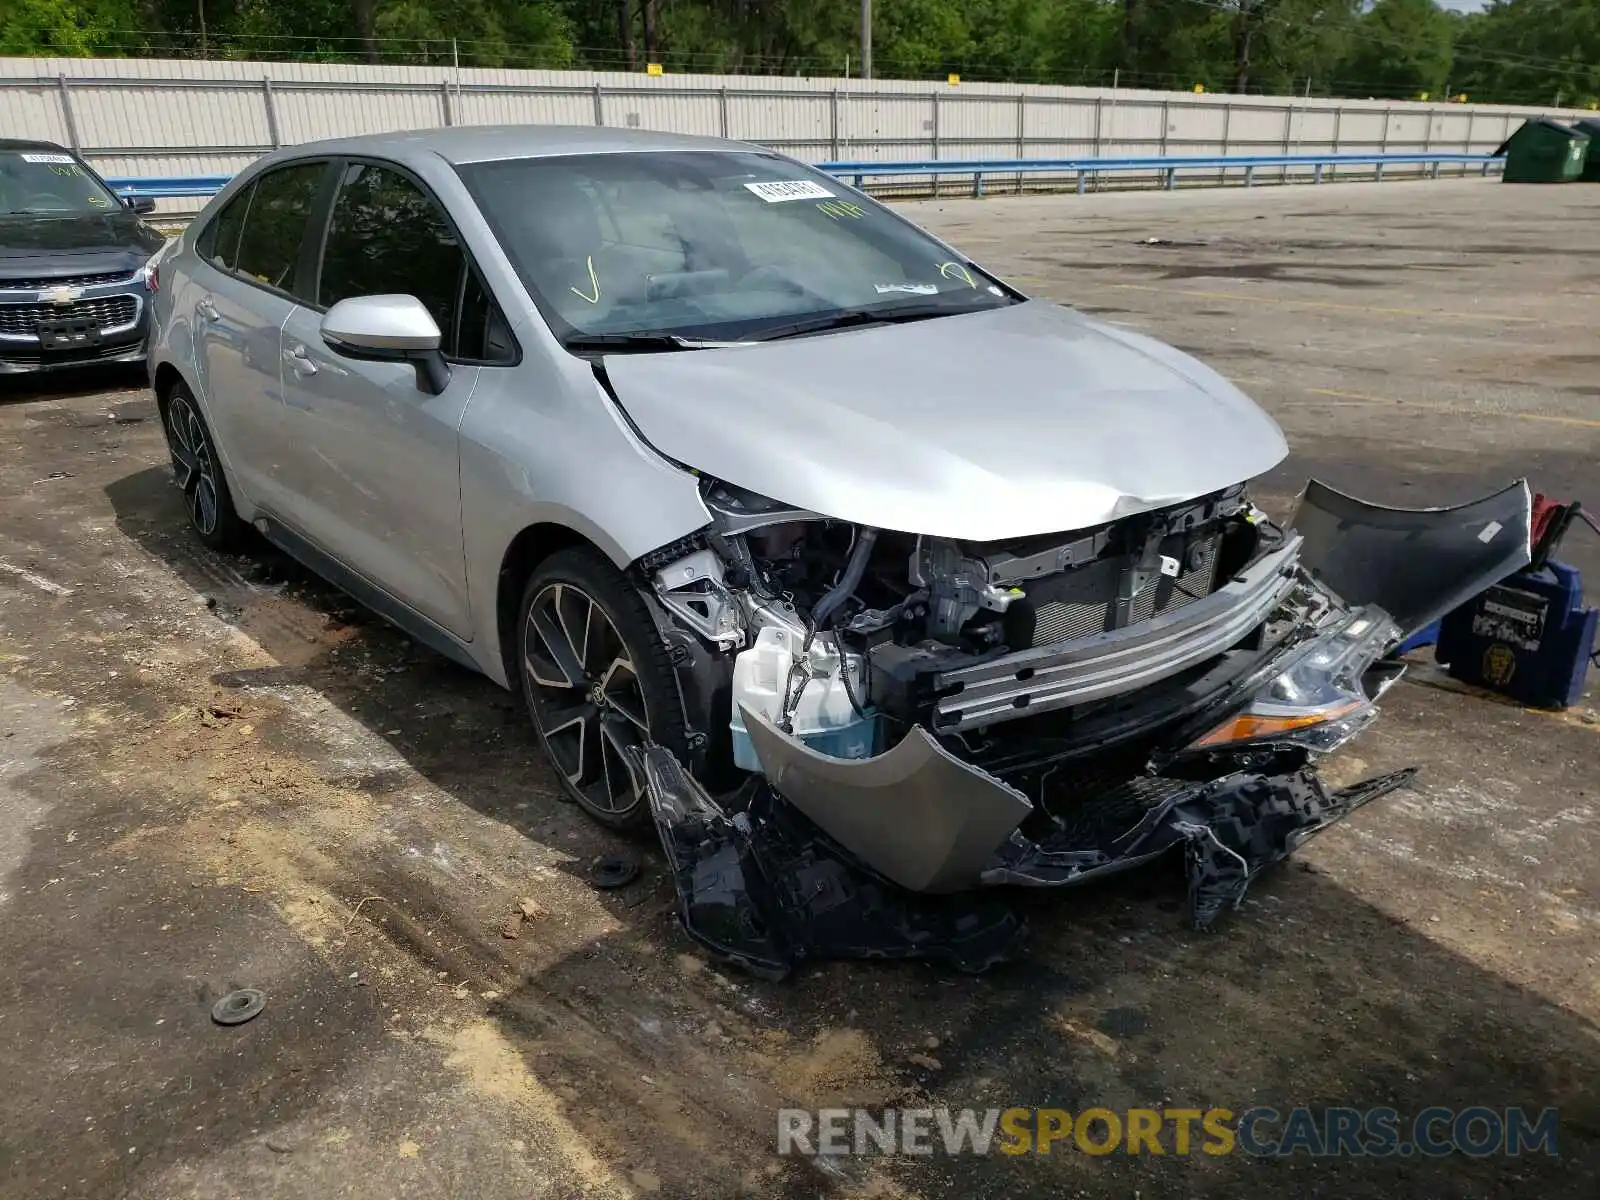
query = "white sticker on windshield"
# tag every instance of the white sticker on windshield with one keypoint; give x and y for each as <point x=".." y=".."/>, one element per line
<point x="47" y="158"/>
<point x="916" y="289"/>
<point x="776" y="191"/>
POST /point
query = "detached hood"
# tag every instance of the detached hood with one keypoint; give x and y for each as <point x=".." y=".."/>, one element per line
<point x="35" y="246"/>
<point x="1019" y="420"/>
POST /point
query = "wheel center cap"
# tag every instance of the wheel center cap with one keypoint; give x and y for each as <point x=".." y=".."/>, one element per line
<point x="597" y="694"/>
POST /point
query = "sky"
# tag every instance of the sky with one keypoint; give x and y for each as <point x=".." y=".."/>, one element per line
<point x="1461" y="5"/>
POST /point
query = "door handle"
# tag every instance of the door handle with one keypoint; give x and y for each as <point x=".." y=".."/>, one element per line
<point x="206" y="309"/>
<point x="299" y="361"/>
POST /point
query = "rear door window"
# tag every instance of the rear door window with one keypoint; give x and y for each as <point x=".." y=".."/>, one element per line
<point x="275" y="224"/>
<point x="219" y="242"/>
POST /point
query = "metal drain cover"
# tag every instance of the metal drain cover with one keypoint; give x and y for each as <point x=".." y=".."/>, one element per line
<point x="613" y="871"/>
<point x="238" y="1007"/>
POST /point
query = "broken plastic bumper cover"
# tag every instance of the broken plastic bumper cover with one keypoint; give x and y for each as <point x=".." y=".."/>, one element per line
<point x="1415" y="564"/>
<point x="761" y="885"/>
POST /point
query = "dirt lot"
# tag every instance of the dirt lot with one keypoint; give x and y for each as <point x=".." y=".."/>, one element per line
<point x="221" y="773"/>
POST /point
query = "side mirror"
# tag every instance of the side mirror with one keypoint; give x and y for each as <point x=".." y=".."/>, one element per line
<point x="143" y="205"/>
<point x="389" y="329"/>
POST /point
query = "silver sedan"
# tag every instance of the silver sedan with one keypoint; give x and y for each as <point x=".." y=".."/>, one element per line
<point x="712" y="456"/>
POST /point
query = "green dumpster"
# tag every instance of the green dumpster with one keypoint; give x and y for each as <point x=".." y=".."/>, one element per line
<point x="1591" y="126"/>
<point x="1544" y="151"/>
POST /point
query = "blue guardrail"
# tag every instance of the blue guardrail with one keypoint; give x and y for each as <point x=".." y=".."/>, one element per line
<point x="1083" y="168"/>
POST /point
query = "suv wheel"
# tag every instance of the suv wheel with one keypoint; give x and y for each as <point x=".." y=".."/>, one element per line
<point x="598" y="682"/>
<point x="198" y="473"/>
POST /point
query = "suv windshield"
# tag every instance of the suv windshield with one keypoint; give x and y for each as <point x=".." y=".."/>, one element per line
<point x="49" y="183"/>
<point x="711" y="245"/>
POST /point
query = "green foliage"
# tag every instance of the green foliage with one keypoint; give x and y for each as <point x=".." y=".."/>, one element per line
<point x="1531" y="52"/>
<point x="1405" y="50"/>
<point x="1516" y="51"/>
<point x="68" y="28"/>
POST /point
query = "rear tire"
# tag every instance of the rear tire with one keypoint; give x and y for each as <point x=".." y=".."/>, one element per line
<point x="597" y="681"/>
<point x="197" y="471"/>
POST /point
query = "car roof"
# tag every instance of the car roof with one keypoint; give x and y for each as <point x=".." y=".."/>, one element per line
<point x="31" y="144"/>
<point x="487" y="143"/>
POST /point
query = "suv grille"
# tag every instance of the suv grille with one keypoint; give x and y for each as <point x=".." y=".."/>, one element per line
<point x="104" y="311"/>
<point x="1076" y="604"/>
<point x="32" y="356"/>
<point x="64" y="281"/>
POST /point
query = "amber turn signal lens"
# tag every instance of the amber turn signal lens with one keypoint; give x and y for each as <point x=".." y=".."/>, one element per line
<point x="1248" y="726"/>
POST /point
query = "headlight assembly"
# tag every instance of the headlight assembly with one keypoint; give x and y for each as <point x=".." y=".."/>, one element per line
<point x="1321" y="699"/>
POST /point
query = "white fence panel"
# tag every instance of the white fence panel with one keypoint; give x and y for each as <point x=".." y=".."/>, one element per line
<point x="176" y="117"/>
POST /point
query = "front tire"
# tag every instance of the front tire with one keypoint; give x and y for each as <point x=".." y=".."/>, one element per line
<point x="597" y="681"/>
<point x="197" y="471"/>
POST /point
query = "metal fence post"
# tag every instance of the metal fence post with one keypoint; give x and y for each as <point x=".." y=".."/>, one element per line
<point x="1022" y="132"/>
<point x="1111" y="123"/>
<point x="444" y="98"/>
<point x="1338" y="121"/>
<point x="1383" y="143"/>
<point x="1288" y="135"/>
<point x="1099" y="112"/>
<point x="1165" y="109"/>
<point x="722" y="109"/>
<point x="1466" y="142"/>
<point x="1227" y="129"/>
<point x="933" y="98"/>
<point x="833" y="124"/>
<point x="599" y="106"/>
<point x="272" y="112"/>
<point x="66" y="114"/>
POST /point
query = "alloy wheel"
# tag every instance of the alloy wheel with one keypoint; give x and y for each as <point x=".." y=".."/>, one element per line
<point x="194" y="465"/>
<point x="586" y="696"/>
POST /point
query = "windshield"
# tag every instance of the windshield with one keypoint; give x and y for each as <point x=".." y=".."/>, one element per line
<point x="48" y="182"/>
<point x="712" y="246"/>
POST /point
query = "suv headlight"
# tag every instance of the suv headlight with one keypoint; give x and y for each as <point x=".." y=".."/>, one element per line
<point x="1322" y="698"/>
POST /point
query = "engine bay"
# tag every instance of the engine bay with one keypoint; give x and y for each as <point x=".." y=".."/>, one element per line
<point x="822" y="626"/>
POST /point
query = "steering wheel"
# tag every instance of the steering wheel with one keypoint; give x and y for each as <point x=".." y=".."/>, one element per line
<point x="51" y="201"/>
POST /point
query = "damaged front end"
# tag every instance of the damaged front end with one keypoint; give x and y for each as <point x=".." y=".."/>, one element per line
<point x="920" y="716"/>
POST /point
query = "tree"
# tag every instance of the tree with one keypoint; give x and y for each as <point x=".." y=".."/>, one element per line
<point x="68" y="28"/>
<point x="1530" y="52"/>
<point x="1401" y="48"/>
<point x="1520" y="51"/>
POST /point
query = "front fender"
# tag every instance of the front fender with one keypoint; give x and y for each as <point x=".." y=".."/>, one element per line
<point x="553" y="449"/>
